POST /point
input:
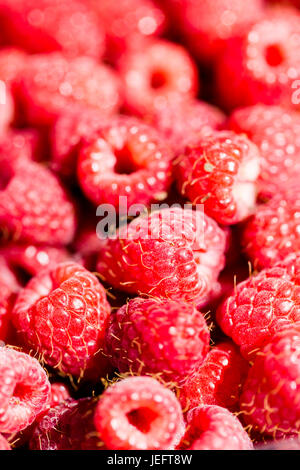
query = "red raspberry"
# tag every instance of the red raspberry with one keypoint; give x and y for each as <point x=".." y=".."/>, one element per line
<point x="207" y="25"/>
<point x="34" y="207"/>
<point x="4" y="445"/>
<point x="62" y="314"/>
<point x="174" y="253"/>
<point x="275" y="131"/>
<point x="67" y="134"/>
<point x="218" y="381"/>
<point x="21" y="144"/>
<point x="158" y="72"/>
<point x="51" y="84"/>
<point x="68" y="426"/>
<point x="261" y="66"/>
<point x="59" y="394"/>
<point x="24" y="390"/>
<point x="126" y="158"/>
<point x="182" y="121"/>
<point x="270" y="401"/>
<point x="272" y="232"/>
<point x="68" y="25"/>
<point x="29" y="260"/>
<point x="220" y="171"/>
<point x="138" y="413"/>
<point x="127" y="22"/>
<point x="214" y="428"/>
<point x="159" y="337"/>
<point x="262" y="305"/>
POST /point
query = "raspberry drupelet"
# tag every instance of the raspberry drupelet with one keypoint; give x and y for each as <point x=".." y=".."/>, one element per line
<point x="62" y="315"/>
<point x="173" y="253"/>
<point x="138" y="413"/>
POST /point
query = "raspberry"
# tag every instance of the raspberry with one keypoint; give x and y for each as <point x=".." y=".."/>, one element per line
<point x="59" y="394"/>
<point x="207" y="26"/>
<point x="220" y="171"/>
<point x="52" y="83"/>
<point x="261" y="66"/>
<point x="126" y="158"/>
<point x="275" y="131"/>
<point x="24" y="390"/>
<point x="157" y="73"/>
<point x="174" y="253"/>
<point x="34" y="207"/>
<point x="68" y="426"/>
<point x="4" y="445"/>
<point x="272" y="232"/>
<point x="138" y="413"/>
<point x="29" y="260"/>
<point x="218" y="380"/>
<point x="214" y="428"/>
<point x="262" y="305"/>
<point x="62" y="314"/>
<point x="153" y="336"/>
<point x="127" y="22"/>
<point x="67" y="134"/>
<point x="68" y="25"/>
<point x="270" y="401"/>
<point x="182" y="121"/>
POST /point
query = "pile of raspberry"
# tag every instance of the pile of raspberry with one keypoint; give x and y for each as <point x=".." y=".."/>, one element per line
<point x="149" y="225"/>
